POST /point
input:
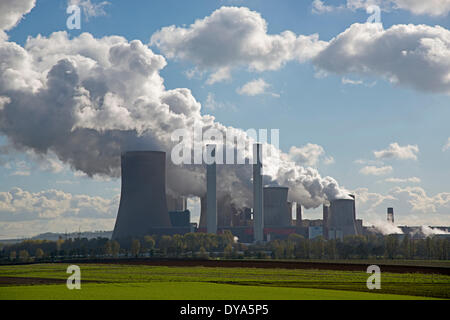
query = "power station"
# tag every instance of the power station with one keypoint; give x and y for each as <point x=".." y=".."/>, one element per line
<point x="145" y="208"/>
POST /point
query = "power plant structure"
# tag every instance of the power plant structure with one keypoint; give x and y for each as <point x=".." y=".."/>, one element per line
<point x="258" y="195"/>
<point x="390" y="215"/>
<point x="145" y="209"/>
<point x="143" y="203"/>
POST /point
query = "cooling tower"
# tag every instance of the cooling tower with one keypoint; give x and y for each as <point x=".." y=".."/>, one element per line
<point x="276" y="210"/>
<point x="143" y="203"/>
<point x="258" y="195"/>
<point x="341" y="217"/>
<point x="176" y="203"/>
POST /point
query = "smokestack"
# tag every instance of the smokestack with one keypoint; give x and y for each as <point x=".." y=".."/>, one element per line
<point x="390" y="215"/>
<point x="143" y="203"/>
<point x="299" y="214"/>
<point x="325" y="213"/>
<point x="258" y="200"/>
<point x="211" y="194"/>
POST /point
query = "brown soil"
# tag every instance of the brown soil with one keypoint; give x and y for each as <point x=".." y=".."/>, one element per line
<point x="271" y="265"/>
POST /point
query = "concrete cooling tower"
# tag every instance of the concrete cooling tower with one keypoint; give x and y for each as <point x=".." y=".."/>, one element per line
<point x="143" y="203"/>
<point x="341" y="218"/>
<point x="276" y="209"/>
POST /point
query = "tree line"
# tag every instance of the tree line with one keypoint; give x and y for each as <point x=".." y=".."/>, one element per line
<point x="201" y="245"/>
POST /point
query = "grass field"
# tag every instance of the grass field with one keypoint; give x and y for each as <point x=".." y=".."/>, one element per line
<point x="149" y="282"/>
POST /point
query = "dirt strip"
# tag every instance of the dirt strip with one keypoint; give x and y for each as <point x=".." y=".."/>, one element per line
<point x="268" y="265"/>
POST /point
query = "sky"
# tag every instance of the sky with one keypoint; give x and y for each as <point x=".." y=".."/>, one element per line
<point x="362" y="104"/>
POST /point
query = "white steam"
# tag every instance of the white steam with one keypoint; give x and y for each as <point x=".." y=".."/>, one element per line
<point x="86" y="100"/>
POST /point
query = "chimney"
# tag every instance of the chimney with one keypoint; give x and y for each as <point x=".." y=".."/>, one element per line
<point x="390" y="215"/>
<point x="299" y="215"/>
<point x="211" y="195"/>
<point x="258" y="204"/>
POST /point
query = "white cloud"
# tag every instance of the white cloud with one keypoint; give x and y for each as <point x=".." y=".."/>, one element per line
<point x="416" y="56"/>
<point x="396" y="151"/>
<point x="309" y="155"/>
<point x="90" y="9"/>
<point x="220" y="75"/>
<point x="376" y="171"/>
<point x="253" y="88"/>
<point x="447" y="145"/>
<point x="231" y="37"/>
<point x="412" y="206"/>
<point x="420" y="201"/>
<point x="12" y="11"/>
<point x="417" y="7"/>
<point x="21" y="205"/>
<point x="405" y="180"/>
<point x="90" y="99"/>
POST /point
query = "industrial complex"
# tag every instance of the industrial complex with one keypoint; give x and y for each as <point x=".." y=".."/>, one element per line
<point x="146" y="209"/>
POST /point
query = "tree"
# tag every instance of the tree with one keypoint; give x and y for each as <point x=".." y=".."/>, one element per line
<point x="135" y="247"/>
<point x="39" y="253"/>
<point x="108" y="248"/>
<point x="12" y="255"/>
<point x="149" y="244"/>
<point x="115" y="247"/>
<point x="24" y="255"/>
<point x="228" y="251"/>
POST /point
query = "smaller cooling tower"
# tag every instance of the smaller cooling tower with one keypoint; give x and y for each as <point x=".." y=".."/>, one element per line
<point x="143" y="202"/>
<point x="341" y="217"/>
<point x="276" y="209"/>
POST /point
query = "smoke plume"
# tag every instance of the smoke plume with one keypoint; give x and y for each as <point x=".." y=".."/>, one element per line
<point x="86" y="100"/>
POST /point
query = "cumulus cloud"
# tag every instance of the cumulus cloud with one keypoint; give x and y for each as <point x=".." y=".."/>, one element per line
<point x="447" y="145"/>
<point x="414" y="56"/>
<point x="12" y="11"/>
<point x="86" y="100"/>
<point x="417" y="7"/>
<point x="405" y="180"/>
<point x="411" y="55"/>
<point x="22" y="205"/>
<point x="395" y="151"/>
<point x="376" y="171"/>
<point x="90" y="9"/>
<point x="309" y="155"/>
<point x="232" y="37"/>
<point x="253" y="88"/>
<point x="412" y="205"/>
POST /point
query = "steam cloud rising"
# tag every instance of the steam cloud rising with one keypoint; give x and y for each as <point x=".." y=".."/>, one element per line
<point x="87" y="100"/>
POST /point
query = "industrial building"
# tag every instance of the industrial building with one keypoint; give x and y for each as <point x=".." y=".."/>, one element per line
<point x="146" y="209"/>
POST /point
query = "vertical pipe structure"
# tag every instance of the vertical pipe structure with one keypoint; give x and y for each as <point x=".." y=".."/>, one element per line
<point x="258" y="200"/>
<point x="211" y="192"/>
<point x="299" y="214"/>
<point x="390" y="215"/>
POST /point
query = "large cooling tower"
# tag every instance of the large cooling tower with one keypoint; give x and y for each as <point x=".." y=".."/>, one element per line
<point x="341" y="217"/>
<point x="276" y="210"/>
<point x="143" y="203"/>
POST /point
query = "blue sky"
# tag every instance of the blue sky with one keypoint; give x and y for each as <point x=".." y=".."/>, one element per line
<point x="349" y="115"/>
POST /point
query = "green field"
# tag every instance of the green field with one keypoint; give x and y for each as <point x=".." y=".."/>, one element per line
<point x="148" y="282"/>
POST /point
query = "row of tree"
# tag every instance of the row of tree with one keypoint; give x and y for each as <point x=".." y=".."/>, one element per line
<point x="224" y="245"/>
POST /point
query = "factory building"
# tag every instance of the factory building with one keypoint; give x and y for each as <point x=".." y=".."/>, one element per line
<point x="146" y="209"/>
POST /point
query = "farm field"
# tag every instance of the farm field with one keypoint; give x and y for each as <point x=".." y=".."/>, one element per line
<point x="122" y="281"/>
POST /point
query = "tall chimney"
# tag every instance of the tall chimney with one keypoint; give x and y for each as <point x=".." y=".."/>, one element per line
<point x="299" y="214"/>
<point x="211" y="195"/>
<point x="258" y="203"/>
<point x="390" y="215"/>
